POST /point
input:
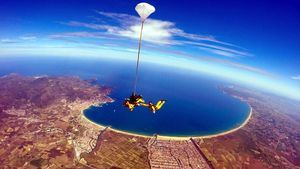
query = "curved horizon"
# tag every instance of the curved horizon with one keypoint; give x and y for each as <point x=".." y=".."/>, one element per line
<point x="267" y="83"/>
<point x="252" y="54"/>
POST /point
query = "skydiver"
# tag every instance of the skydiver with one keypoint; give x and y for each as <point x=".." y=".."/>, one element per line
<point x="136" y="99"/>
<point x="127" y="103"/>
<point x="153" y="107"/>
<point x="133" y="101"/>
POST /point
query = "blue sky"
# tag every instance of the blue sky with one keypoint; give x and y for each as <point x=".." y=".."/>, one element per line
<point x="254" y="42"/>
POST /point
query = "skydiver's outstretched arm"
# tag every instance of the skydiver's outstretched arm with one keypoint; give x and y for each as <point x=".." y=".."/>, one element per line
<point x="144" y="104"/>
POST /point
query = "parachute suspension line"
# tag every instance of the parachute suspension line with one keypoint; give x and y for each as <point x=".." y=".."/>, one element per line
<point x="138" y="59"/>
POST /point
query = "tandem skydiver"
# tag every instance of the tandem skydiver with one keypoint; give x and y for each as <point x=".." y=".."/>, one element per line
<point x="133" y="101"/>
<point x="137" y="100"/>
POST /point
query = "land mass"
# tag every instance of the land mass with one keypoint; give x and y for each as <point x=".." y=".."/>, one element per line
<point x="42" y="126"/>
<point x="271" y="139"/>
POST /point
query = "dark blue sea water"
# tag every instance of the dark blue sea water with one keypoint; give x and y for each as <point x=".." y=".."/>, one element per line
<point x="195" y="106"/>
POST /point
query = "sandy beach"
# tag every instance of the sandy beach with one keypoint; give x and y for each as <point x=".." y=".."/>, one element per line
<point x="161" y="137"/>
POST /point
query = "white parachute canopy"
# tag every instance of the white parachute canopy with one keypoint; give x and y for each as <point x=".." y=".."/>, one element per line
<point x="144" y="10"/>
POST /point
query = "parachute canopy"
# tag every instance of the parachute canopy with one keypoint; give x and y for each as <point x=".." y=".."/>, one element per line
<point x="144" y="10"/>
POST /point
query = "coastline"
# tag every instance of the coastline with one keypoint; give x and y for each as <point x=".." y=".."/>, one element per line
<point x="176" y="138"/>
<point x="159" y="137"/>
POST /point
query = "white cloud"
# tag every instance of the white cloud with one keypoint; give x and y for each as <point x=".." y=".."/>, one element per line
<point x="220" y="49"/>
<point x="16" y="40"/>
<point x="28" y="37"/>
<point x="168" y="28"/>
<point x="218" y="52"/>
<point x="224" y="62"/>
<point x="156" y="31"/>
<point x="91" y="25"/>
<point x="297" y="77"/>
<point x="6" y="40"/>
<point x="77" y="34"/>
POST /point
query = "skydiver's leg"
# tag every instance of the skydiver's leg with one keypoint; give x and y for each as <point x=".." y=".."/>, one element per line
<point x="159" y="104"/>
<point x="152" y="108"/>
<point x="131" y="107"/>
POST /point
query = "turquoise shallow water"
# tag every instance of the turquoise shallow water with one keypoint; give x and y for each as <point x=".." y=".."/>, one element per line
<point x="195" y="106"/>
